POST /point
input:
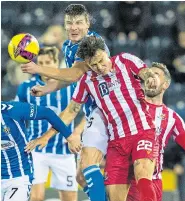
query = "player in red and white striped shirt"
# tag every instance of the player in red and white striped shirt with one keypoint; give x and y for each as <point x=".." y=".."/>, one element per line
<point x="115" y="85"/>
<point x="168" y="123"/>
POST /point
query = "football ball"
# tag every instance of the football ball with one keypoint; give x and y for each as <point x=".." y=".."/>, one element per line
<point x="23" y="48"/>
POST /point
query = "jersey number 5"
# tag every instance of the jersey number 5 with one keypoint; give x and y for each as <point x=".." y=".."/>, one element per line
<point x="90" y="122"/>
<point x="144" y="144"/>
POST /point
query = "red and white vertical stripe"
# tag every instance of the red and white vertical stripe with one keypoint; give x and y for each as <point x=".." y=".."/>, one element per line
<point x="166" y="121"/>
<point x="123" y="106"/>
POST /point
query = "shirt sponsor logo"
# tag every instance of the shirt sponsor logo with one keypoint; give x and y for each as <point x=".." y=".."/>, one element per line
<point x="106" y="87"/>
<point x="103" y="88"/>
<point x="7" y="144"/>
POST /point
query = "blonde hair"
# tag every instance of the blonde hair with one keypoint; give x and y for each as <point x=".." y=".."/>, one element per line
<point x="46" y="37"/>
<point x="164" y="68"/>
<point x="53" y="52"/>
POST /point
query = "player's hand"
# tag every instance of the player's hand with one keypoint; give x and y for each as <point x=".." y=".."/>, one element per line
<point x="151" y="83"/>
<point x="30" y="68"/>
<point x="38" y="90"/>
<point x="74" y="142"/>
<point x="41" y="142"/>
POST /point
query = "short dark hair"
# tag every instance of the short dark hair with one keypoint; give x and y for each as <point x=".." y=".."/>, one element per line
<point x="51" y="51"/>
<point x="89" y="45"/>
<point x="164" y="68"/>
<point x="76" y="9"/>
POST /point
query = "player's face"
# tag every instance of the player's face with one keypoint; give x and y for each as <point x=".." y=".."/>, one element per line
<point x="45" y="60"/>
<point x="161" y="85"/>
<point x="100" y="63"/>
<point x="76" y="27"/>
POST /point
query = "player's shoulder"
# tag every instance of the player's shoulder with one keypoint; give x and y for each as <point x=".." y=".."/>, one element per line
<point x="128" y="56"/>
<point x="123" y="56"/>
<point x="127" y="59"/>
<point x="66" y="43"/>
<point x="93" y="33"/>
<point x="86" y="77"/>
<point x="29" y="81"/>
<point x="176" y="116"/>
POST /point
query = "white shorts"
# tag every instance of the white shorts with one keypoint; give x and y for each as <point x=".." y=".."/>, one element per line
<point x="16" y="189"/>
<point x="95" y="132"/>
<point x="63" y="168"/>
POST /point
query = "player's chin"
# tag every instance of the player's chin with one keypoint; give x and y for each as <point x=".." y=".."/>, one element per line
<point x="75" y="38"/>
<point x="150" y="94"/>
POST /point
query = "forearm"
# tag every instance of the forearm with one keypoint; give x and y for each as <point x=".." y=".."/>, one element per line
<point x="54" y="85"/>
<point x="54" y="120"/>
<point x="65" y="74"/>
<point x="50" y="133"/>
<point x="67" y="116"/>
<point x="80" y="128"/>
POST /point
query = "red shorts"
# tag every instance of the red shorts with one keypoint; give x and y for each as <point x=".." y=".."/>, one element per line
<point x="133" y="194"/>
<point x="123" y="152"/>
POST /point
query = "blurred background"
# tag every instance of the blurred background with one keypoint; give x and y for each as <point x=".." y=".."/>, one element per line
<point x="153" y="31"/>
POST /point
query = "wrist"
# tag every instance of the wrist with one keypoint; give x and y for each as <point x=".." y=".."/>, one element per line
<point x="50" y="133"/>
<point x="77" y="131"/>
<point x="70" y="138"/>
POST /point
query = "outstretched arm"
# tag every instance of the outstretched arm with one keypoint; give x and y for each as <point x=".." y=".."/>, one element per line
<point x="72" y="74"/>
<point x="52" y="85"/>
<point x="67" y="116"/>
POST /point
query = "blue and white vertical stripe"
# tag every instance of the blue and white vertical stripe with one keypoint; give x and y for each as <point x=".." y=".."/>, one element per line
<point x="57" y="101"/>
<point x="15" y="162"/>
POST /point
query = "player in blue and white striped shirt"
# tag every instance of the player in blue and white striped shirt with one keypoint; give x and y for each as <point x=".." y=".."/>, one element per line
<point x="94" y="138"/>
<point x="16" y="164"/>
<point x="56" y="155"/>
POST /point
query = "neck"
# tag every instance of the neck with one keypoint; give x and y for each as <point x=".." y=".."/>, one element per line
<point x="157" y="100"/>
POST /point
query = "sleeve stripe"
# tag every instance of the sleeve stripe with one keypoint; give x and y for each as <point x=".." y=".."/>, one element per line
<point x="137" y="62"/>
<point x="80" y="94"/>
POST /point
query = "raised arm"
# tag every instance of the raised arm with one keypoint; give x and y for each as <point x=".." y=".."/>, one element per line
<point x="51" y="86"/>
<point x="72" y="74"/>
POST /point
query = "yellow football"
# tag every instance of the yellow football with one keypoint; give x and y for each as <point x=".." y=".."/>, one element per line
<point x="23" y="47"/>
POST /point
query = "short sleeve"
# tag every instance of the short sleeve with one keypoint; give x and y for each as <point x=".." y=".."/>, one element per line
<point x="133" y="62"/>
<point x="80" y="94"/>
